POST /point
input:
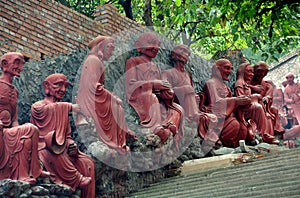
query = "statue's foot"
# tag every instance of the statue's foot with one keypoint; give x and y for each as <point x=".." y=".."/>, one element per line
<point x="85" y="181"/>
<point x="172" y="127"/>
<point x="162" y="133"/>
<point x="270" y="139"/>
<point x="45" y="174"/>
<point x="30" y="180"/>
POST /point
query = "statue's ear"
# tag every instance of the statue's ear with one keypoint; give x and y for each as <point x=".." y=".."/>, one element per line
<point x="46" y="87"/>
<point x="4" y="64"/>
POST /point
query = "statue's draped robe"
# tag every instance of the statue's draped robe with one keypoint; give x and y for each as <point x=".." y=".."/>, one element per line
<point x="100" y="104"/>
<point x="219" y="99"/>
<point x="255" y="111"/>
<point x="182" y="85"/>
<point x="18" y="144"/>
<point x="154" y="107"/>
<point x="184" y="91"/>
<point x="52" y="119"/>
<point x="289" y="91"/>
<point x="271" y="111"/>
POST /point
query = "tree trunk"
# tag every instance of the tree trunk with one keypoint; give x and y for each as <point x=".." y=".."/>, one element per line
<point x="127" y="8"/>
<point x="147" y="13"/>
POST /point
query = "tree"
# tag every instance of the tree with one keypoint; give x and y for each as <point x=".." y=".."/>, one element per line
<point x="269" y="28"/>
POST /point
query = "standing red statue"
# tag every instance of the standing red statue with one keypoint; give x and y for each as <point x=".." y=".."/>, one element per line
<point x="97" y="102"/>
<point x="221" y="102"/>
<point x="57" y="150"/>
<point x="182" y="85"/>
<point x="18" y="143"/>
<point x="292" y="95"/>
<point x="150" y="95"/>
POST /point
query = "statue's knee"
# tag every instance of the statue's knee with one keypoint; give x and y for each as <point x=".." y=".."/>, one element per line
<point x="235" y="125"/>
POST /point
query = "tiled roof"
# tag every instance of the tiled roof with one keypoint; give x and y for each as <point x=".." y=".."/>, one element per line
<point x="275" y="175"/>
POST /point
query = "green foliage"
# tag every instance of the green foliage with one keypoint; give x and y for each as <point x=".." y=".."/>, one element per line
<point x="269" y="28"/>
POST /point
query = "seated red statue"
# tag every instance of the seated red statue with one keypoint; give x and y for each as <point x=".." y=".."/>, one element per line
<point x="97" y="102"/>
<point x="150" y="95"/>
<point x="265" y="89"/>
<point x="57" y="150"/>
<point x="182" y="85"/>
<point x="220" y="101"/>
<point x="18" y="143"/>
<point x="256" y="110"/>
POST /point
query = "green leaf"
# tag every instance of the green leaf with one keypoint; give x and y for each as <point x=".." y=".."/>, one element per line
<point x="178" y="3"/>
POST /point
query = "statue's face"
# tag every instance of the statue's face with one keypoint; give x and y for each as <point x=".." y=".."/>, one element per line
<point x="108" y="50"/>
<point x="150" y="47"/>
<point x="14" y="65"/>
<point x="181" y="55"/>
<point x="225" y="70"/>
<point x="290" y="79"/>
<point x="260" y="72"/>
<point x="57" y="88"/>
<point x="248" y="73"/>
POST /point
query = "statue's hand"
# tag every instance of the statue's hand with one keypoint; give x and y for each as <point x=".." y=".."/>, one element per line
<point x="76" y="108"/>
<point x="243" y="100"/>
<point x="99" y="87"/>
<point x="73" y="149"/>
<point x="161" y="85"/>
<point x="266" y="100"/>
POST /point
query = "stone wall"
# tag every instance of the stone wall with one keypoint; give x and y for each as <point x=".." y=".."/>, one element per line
<point x="287" y="64"/>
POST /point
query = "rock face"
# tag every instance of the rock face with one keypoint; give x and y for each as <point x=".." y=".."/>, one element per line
<point x="43" y="188"/>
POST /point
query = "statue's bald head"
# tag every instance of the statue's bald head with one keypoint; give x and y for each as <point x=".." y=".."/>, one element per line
<point x="103" y="40"/>
<point x="181" y="53"/>
<point x="12" y="63"/>
<point x="52" y="78"/>
<point x="55" y="85"/>
<point x="221" y="62"/>
<point x="261" y="65"/>
<point x="222" y="69"/>
<point x="147" y="39"/>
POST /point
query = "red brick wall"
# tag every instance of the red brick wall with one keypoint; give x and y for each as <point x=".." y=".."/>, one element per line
<point x="40" y="28"/>
<point x="109" y="16"/>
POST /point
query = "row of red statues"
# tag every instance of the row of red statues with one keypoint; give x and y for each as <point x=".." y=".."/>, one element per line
<point x="161" y="99"/>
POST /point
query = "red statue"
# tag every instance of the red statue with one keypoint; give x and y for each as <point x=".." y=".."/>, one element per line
<point x="278" y="97"/>
<point x="97" y="102"/>
<point x="292" y="96"/>
<point x="182" y="85"/>
<point x="265" y="89"/>
<point x="220" y="101"/>
<point x="57" y="150"/>
<point x="256" y="110"/>
<point x="150" y="95"/>
<point x="278" y="103"/>
<point x="18" y="143"/>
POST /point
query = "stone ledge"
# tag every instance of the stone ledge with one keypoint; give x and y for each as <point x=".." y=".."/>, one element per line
<point x="209" y="163"/>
